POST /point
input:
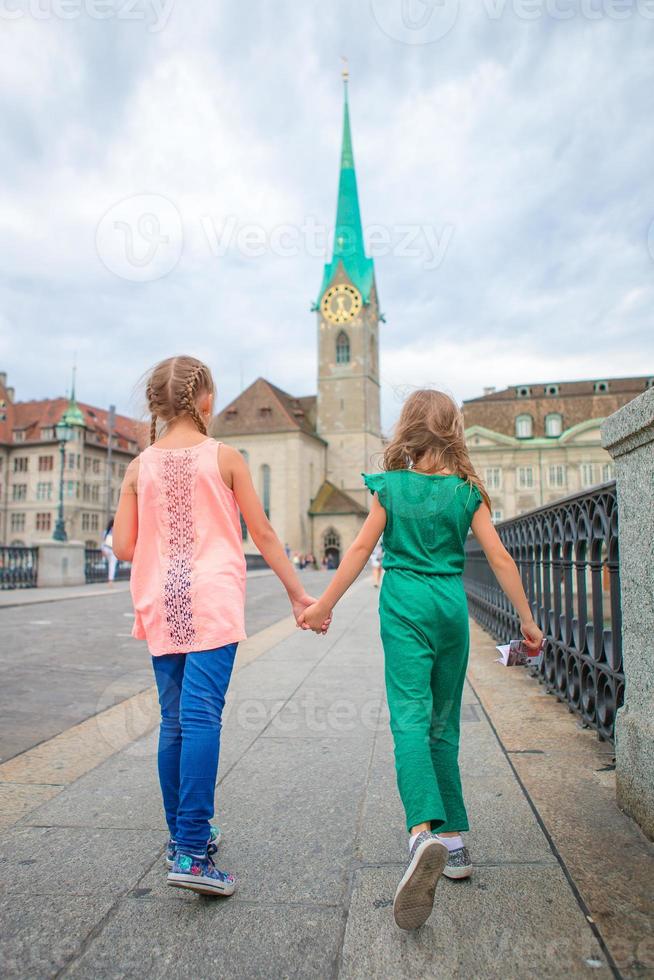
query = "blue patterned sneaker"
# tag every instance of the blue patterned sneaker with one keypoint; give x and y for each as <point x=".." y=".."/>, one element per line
<point x="458" y="864"/>
<point x="212" y="846"/>
<point x="414" y="898"/>
<point x="200" y="874"/>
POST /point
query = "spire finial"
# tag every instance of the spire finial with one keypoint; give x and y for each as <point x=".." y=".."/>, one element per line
<point x="346" y="70"/>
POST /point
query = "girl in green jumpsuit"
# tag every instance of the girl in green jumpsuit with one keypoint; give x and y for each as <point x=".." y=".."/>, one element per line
<point x="425" y="503"/>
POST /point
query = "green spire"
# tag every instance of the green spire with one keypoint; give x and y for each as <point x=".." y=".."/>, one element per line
<point x="73" y="414"/>
<point x="349" y="248"/>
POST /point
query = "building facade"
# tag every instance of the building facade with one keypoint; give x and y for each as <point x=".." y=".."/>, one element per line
<point x="306" y="454"/>
<point x="31" y="468"/>
<point x="532" y="444"/>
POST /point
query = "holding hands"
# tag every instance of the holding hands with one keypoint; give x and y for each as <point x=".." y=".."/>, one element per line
<point x="305" y="603"/>
<point x="316" y="617"/>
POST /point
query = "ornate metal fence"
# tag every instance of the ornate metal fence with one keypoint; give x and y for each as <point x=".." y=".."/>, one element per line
<point x="96" y="567"/>
<point x="567" y="554"/>
<point x="18" y="568"/>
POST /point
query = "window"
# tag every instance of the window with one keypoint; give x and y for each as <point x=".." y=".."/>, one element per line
<point x="525" y="477"/>
<point x="46" y="464"/>
<point x="246" y="456"/>
<point x="265" y="488"/>
<point x="524" y="427"/>
<point x="19" y="491"/>
<point x="608" y="472"/>
<point x="95" y="522"/>
<point x="523" y="391"/>
<point x="90" y="543"/>
<point x="47" y="433"/>
<point x="493" y="478"/>
<point x="121" y="470"/>
<point x="95" y="493"/>
<point x="551" y="389"/>
<point x="72" y="489"/>
<point x="71" y="461"/>
<point x="556" y="475"/>
<point x="17" y="522"/>
<point x="96" y="465"/>
<point x="43" y="521"/>
<point x="43" y="491"/>
<point x="497" y="515"/>
<point x="587" y="474"/>
<point x="332" y="539"/>
<point x="21" y="464"/>
<point x="553" y="424"/>
<point x="342" y="348"/>
<point x="86" y="522"/>
<point x="19" y="435"/>
<point x="601" y="387"/>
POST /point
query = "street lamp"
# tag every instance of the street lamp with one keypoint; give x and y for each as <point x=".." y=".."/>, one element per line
<point x="63" y="434"/>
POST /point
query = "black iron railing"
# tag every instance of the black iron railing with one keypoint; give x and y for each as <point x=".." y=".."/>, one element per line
<point x="96" y="567"/>
<point x="18" y="568"/>
<point x="567" y="554"/>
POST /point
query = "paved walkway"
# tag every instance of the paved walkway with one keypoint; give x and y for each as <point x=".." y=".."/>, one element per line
<point x="314" y="831"/>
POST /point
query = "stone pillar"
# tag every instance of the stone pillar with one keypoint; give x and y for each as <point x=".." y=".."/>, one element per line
<point x="628" y="435"/>
<point x="61" y="563"/>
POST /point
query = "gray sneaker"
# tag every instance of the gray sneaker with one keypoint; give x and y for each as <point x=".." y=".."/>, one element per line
<point x="458" y="864"/>
<point x="414" y="898"/>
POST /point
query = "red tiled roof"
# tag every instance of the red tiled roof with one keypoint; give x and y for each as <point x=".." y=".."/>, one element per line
<point x="263" y="407"/>
<point x="33" y="416"/>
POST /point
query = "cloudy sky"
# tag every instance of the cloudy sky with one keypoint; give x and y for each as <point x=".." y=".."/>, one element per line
<point x="169" y="170"/>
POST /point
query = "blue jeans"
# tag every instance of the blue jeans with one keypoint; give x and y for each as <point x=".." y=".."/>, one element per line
<point x="192" y="688"/>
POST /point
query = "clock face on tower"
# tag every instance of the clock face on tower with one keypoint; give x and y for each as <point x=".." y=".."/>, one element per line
<point x="341" y="303"/>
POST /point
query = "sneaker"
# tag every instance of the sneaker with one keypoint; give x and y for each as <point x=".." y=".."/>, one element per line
<point x="212" y="846"/>
<point x="414" y="898"/>
<point x="458" y="864"/>
<point x="200" y="874"/>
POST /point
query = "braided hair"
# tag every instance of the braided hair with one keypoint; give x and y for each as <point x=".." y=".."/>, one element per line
<point x="173" y="389"/>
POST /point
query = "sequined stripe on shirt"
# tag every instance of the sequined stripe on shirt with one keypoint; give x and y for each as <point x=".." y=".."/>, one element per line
<point x="177" y="479"/>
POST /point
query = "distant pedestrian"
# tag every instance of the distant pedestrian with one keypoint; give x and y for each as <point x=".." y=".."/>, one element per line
<point x="108" y="552"/>
<point x="178" y="523"/>
<point x="425" y="503"/>
<point x="376" y="563"/>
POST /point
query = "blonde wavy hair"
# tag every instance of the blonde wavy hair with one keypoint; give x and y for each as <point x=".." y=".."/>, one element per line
<point x="430" y="431"/>
<point x="172" y="389"/>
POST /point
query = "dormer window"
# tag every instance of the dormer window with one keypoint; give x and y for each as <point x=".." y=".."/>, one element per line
<point x="601" y="387"/>
<point x="524" y="427"/>
<point x="523" y="391"/>
<point x="231" y="413"/>
<point x="551" y="389"/>
<point x="265" y="410"/>
<point x="553" y="424"/>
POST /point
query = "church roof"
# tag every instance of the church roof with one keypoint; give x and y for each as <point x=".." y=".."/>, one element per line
<point x="262" y="408"/>
<point x="349" y="250"/>
<point x="331" y="500"/>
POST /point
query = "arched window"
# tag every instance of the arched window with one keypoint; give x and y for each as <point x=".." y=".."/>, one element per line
<point x="553" y="424"/>
<point x="331" y="547"/>
<point x="342" y="348"/>
<point x="524" y="427"/>
<point x="246" y="456"/>
<point x="265" y="488"/>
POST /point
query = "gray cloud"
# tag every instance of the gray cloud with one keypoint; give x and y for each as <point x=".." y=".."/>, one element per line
<point x="529" y="140"/>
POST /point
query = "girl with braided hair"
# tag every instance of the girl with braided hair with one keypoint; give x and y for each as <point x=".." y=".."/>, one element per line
<point x="425" y="503"/>
<point x="178" y="523"/>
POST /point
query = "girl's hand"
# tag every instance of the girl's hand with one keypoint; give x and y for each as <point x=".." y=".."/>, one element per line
<point x="299" y="604"/>
<point x="316" y="618"/>
<point x="532" y="634"/>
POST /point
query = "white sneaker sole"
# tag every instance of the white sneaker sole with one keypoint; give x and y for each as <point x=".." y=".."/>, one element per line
<point x="414" y="898"/>
<point x="205" y="886"/>
<point x="456" y="874"/>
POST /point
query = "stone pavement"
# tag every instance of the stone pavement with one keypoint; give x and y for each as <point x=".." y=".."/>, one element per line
<point x="314" y="831"/>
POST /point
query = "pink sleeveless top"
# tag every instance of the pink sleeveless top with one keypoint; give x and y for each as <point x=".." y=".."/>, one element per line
<point x="188" y="571"/>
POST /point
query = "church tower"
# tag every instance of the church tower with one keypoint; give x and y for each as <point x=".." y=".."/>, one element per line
<point x="348" y="409"/>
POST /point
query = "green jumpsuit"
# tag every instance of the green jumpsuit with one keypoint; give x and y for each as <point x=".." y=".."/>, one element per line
<point x="424" y="630"/>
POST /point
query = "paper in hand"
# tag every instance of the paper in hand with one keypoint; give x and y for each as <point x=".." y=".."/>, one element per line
<point x="515" y="653"/>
